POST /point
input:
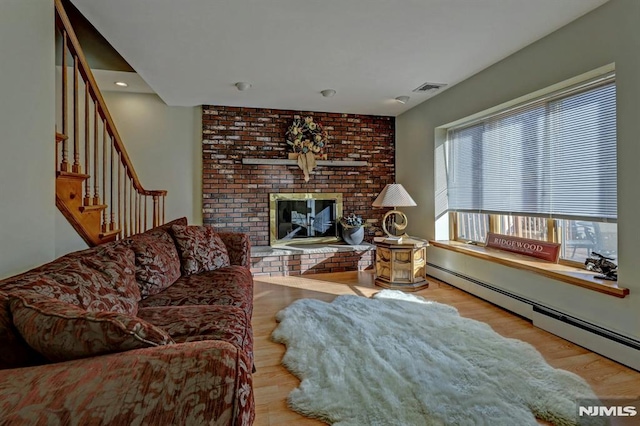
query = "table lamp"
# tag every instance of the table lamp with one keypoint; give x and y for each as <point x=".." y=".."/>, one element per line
<point x="394" y="195"/>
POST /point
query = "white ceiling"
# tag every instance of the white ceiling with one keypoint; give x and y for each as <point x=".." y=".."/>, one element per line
<point x="370" y="51"/>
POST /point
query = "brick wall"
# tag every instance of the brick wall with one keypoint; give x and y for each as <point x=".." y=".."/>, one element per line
<point x="236" y="196"/>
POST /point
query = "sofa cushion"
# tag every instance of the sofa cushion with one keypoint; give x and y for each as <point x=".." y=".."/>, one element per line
<point x="230" y="286"/>
<point x="200" y="249"/>
<point x="14" y="351"/>
<point x="197" y="383"/>
<point x="157" y="261"/>
<point x="238" y="246"/>
<point x="61" y="331"/>
<point x="167" y="226"/>
<point x="97" y="279"/>
<point x="110" y="268"/>
<point x="195" y="323"/>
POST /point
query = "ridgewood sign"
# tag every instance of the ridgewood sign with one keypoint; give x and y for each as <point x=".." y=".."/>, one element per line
<point x="534" y="248"/>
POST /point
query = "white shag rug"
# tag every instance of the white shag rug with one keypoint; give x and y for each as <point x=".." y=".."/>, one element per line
<point x="398" y="359"/>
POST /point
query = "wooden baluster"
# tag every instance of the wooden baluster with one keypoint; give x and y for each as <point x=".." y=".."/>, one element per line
<point x="57" y="155"/>
<point x="112" y="219"/>
<point x="64" y="165"/>
<point x="131" y="207"/>
<point x="140" y="213"/>
<point x="145" y="213"/>
<point x="155" y="211"/>
<point x="76" y="123"/>
<point x="87" y="145"/>
<point x="137" y="216"/>
<point x="119" y="195"/>
<point x="164" y="198"/>
<point x="125" y="229"/>
<point x="96" y="187"/>
<point x="137" y="212"/>
<point x="134" y="229"/>
<point x="105" y="227"/>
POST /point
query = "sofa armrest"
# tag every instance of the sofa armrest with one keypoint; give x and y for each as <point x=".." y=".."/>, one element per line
<point x="238" y="246"/>
<point x="205" y="382"/>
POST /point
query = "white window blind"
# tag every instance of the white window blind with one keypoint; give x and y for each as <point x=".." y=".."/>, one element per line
<point x="555" y="157"/>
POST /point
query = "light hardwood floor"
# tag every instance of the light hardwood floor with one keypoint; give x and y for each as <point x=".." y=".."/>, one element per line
<point x="272" y="382"/>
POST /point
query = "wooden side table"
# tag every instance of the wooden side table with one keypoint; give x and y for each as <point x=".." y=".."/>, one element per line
<point x="401" y="266"/>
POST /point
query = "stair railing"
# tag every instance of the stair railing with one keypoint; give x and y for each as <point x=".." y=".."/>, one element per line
<point x="89" y="145"/>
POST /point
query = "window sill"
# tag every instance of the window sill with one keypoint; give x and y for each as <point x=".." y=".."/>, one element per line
<point x="564" y="273"/>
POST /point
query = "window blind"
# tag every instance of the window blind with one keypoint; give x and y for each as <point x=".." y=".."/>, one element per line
<point x="555" y="157"/>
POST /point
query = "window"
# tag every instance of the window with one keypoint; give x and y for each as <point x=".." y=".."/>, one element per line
<point x="545" y="169"/>
<point x="534" y="228"/>
<point x="581" y="237"/>
<point x="473" y="227"/>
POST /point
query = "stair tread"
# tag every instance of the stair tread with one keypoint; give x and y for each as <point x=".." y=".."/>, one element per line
<point x="93" y="207"/>
<point x="109" y="233"/>
<point x="61" y="137"/>
<point x="72" y="175"/>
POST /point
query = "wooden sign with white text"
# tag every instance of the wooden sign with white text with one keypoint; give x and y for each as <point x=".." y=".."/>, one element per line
<point x="534" y="248"/>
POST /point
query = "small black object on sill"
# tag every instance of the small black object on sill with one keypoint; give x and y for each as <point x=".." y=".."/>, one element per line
<point x="602" y="264"/>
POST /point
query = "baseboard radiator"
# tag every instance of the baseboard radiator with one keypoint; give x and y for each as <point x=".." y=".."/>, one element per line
<point x="618" y="347"/>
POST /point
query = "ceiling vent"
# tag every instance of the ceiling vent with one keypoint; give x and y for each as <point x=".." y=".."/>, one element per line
<point x="429" y="87"/>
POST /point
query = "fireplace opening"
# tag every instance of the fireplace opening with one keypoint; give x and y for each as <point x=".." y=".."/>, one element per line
<point x="304" y="218"/>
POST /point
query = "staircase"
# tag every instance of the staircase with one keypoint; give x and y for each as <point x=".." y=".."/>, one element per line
<point x="97" y="188"/>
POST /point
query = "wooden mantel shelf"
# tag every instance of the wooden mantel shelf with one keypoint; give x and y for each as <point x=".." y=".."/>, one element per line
<point x="285" y="162"/>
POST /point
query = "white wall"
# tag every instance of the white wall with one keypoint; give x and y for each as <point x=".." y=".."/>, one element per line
<point x="165" y="146"/>
<point x="67" y="239"/>
<point x="27" y="185"/>
<point x="608" y="34"/>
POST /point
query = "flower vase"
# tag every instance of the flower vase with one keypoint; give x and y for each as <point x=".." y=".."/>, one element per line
<point x="353" y="236"/>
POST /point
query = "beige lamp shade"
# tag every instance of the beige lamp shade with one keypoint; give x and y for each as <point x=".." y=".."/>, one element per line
<point x="394" y="222"/>
<point x="394" y="195"/>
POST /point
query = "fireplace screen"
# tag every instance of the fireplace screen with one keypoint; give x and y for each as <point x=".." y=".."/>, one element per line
<point x="304" y="218"/>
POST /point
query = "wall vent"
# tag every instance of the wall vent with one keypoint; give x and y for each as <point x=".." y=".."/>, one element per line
<point x="429" y="87"/>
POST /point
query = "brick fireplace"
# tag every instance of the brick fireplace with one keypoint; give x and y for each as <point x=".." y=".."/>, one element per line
<point x="236" y="195"/>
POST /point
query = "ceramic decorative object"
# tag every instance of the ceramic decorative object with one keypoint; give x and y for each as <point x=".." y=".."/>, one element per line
<point x="353" y="236"/>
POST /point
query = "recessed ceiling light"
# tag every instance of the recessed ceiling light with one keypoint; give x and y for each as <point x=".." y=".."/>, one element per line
<point x="327" y="93"/>
<point x="242" y="86"/>
<point x="402" y="99"/>
<point x="121" y="84"/>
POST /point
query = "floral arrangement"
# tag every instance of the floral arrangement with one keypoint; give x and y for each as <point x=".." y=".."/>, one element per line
<point x="352" y="221"/>
<point x="305" y="135"/>
<point x="306" y="138"/>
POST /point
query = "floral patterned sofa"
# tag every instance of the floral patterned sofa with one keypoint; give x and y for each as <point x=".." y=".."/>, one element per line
<point x="155" y="329"/>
